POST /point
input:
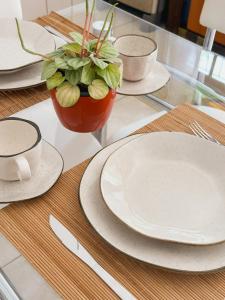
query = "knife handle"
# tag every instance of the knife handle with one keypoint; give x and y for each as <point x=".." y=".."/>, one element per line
<point x="118" y="288"/>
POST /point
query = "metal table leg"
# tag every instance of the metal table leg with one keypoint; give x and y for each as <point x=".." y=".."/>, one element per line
<point x="101" y="135"/>
<point x="209" y="39"/>
<point x="167" y="105"/>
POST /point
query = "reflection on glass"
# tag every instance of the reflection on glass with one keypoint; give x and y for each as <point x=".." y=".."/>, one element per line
<point x="219" y="69"/>
<point x="193" y="70"/>
<point x="205" y="62"/>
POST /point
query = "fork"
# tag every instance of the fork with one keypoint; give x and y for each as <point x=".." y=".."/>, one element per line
<point x="199" y="131"/>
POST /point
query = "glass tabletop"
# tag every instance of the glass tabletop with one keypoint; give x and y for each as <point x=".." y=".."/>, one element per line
<point x="197" y="76"/>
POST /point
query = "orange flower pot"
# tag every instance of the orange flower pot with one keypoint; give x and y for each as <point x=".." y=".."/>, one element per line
<point x="87" y="115"/>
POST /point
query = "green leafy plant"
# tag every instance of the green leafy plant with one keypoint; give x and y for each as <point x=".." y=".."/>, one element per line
<point x="84" y="64"/>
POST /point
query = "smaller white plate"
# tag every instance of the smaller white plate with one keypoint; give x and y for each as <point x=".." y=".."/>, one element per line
<point x="36" y="38"/>
<point x="155" y="80"/>
<point x="27" y="77"/>
<point x="168" y="186"/>
<point x="46" y="176"/>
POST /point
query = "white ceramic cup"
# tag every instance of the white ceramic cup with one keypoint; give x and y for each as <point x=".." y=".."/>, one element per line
<point x="138" y="53"/>
<point x="20" y="148"/>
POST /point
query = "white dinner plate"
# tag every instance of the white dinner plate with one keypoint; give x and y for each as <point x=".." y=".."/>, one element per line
<point x="36" y="38"/>
<point x="168" y="186"/>
<point x="154" y="81"/>
<point x="45" y="177"/>
<point x="167" y="255"/>
<point x="27" y="77"/>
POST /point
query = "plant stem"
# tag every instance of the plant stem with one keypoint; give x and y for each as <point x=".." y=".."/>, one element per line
<point x="104" y="24"/>
<point x="85" y="27"/>
<point x="90" y="20"/>
<point x="24" y="47"/>
<point x="106" y="35"/>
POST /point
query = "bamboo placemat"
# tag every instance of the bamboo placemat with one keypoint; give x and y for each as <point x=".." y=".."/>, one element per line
<point x="26" y="226"/>
<point x="14" y="101"/>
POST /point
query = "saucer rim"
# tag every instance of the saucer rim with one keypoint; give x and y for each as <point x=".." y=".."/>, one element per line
<point x="120" y="92"/>
<point x="43" y="193"/>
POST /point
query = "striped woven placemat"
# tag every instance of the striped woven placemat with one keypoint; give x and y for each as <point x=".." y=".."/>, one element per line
<point x="26" y="226"/>
<point x="14" y="101"/>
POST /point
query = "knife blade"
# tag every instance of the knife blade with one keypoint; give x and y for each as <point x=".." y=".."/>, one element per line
<point x="71" y="243"/>
<point x="6" y="290"/>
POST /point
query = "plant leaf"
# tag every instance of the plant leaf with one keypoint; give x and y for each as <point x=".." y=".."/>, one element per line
<point x="98" y="89"/>
<point x="99" y="62"/>
<point x="73" y="76"/>
<point x="88" y="74"/>
<point x="111" y="75"/>
<point x="209" y="92"/>
<point x="57" y="53"/>
<point x="72" y="49"/>
<point x="91" y="45"/>
<point x="114" y="60"/>
<point x="55" y="80"/>
<point x="48" y="70"/>
<point x="78" y="62"/>
<point x="108" y="51"/>
<point x="77" y="37"/>
<point x="67" y="95"/>
<point x="61" y="63"/>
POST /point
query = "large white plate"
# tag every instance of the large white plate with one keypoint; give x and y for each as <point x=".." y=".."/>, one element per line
<point x="168" y="186"/>
<point x="168" y="255"/>
<point x="27" y="77"/>
<point x="154" y="81"/>
<point x="35" y="37"/>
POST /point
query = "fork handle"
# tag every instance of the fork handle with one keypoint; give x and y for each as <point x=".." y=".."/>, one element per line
<point x="118" y="288"/>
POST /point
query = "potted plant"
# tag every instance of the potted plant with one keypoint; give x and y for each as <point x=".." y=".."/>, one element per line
<point x="82" y="77"/>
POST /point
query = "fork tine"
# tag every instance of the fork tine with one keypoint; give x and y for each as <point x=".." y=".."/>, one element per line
<point x="197" y="132"/>
<point x="202" y="129"/>
<point x="210" y="137"/>
<point x="201" y="132"/>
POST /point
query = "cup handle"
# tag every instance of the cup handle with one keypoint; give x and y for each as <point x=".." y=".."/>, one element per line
<point x="23" y="171"/>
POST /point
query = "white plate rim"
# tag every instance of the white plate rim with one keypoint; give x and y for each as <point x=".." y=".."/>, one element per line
<point x="59" y="42"/>
<point x="19" y="68"/>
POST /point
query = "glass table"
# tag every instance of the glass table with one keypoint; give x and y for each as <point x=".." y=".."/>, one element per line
<point x="197" y="77"/>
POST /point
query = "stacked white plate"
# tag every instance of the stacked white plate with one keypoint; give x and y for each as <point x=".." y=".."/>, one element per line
<point x="19" y="69"/>
<point x="160" y="198"/>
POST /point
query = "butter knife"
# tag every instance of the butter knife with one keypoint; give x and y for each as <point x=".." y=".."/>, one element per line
<point x="71" y="243"/>
<point x="6" y="290"/>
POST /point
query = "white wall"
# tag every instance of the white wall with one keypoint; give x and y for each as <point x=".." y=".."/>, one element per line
<point x="58" y="4"/>
<point x="31" y="9"/>
<point x="10" y="8"/>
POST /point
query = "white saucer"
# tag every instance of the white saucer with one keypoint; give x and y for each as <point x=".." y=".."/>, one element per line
<point x="167" y="255"/>
<point x="48" y="173"/>
<point x="158" y="77"/>
<point x="27" y="77"/>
